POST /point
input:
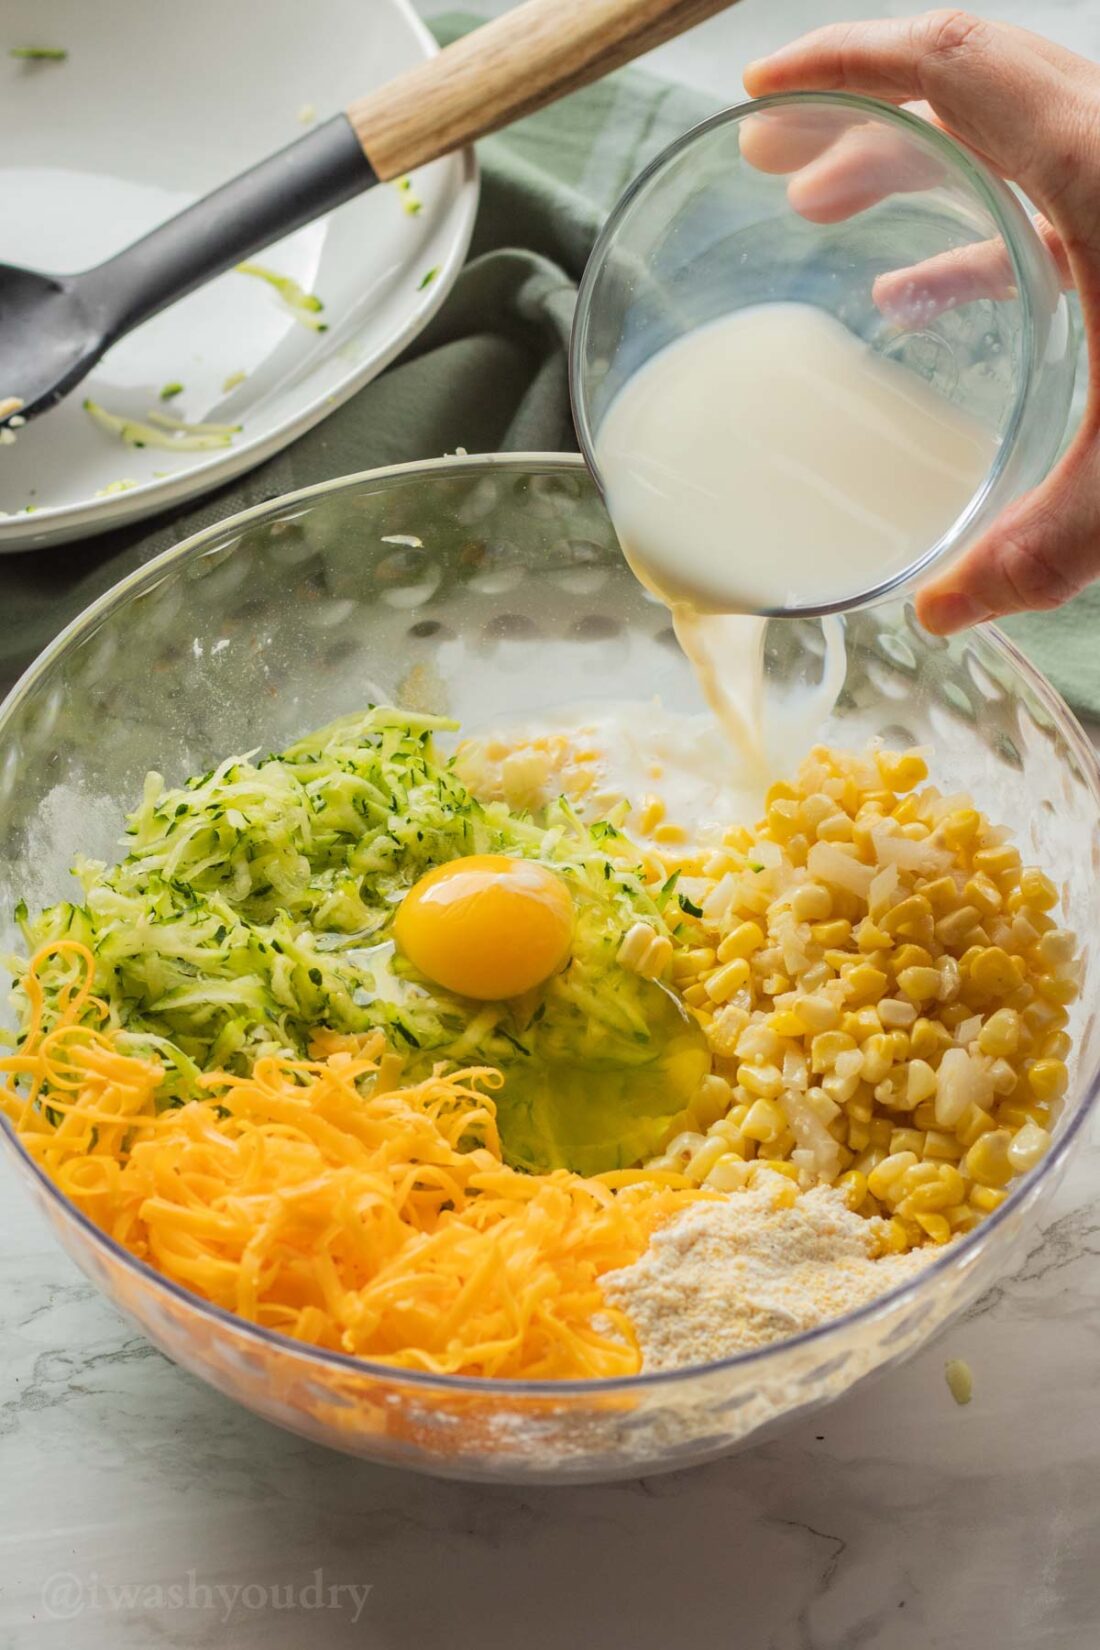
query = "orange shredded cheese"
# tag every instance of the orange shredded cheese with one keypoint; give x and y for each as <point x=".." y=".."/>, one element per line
<point x="317" y="1199"/>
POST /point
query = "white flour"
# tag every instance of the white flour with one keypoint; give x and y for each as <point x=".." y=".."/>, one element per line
<point x="726" y="1277"/>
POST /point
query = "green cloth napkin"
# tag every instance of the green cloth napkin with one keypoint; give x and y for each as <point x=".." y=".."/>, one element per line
<point x="488" y="374"/>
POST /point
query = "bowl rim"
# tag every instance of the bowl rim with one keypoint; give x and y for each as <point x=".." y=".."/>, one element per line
<point x="1008" y="217"/>
<point x="957" y="1257"/>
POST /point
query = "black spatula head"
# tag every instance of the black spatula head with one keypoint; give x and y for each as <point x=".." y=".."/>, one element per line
<point x="47" y="340"/>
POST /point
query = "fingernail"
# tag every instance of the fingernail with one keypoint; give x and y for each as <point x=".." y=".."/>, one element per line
<point x="944" y="613"/>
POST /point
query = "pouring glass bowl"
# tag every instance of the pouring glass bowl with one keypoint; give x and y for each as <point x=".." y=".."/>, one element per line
<point x="919" y="251"/>
<point x="492" y="588"/>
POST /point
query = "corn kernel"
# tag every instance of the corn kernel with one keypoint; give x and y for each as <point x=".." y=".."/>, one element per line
<point x="1000" y="861"/>
<point x="955" y="928"/>
<point x="896" y="1014"/>
<point x="763" y="1081"/>
<point x="941" y="1146"/>
<point x="836" y="932"/>
<point x="881" y="1130"/>
<point x="725" y="981"/>
<point x="861" y="1023"/>
<point x="961" y="827"/>
<point x="983" y="892"/>
<point x="729" y="1174"/>
<point x="1057" y="989"/>
<point x="878" y="1057"/>
<point x="924" y="1117"/>
<point x="746" y="938"/>
<point x="811" y="902"/>
<point x="974" y="1123"/>
<point x="1057" y="947"/>
<point x="936" y="1226"/>
<point x="920" y="1083"/>
<point x="788" y="1170"/>
<point x="987" y="1162"/>
<point x="921" y="984"/>
<point x="907" y="1140"/>
<point x="1055" y="1045"/>
<point x="911" y="918"/>
<point x="854" y="1187"/>
<point x="691" y="962"/>
<point x="826" y="1047"/>
<point x="942" y="895"/>
<point x="1004" y="1077"/>
<point x="1000" y="1035"/>
<point x="894" y="1238"/>
<point x="765" y="1122"/>
<point x="1048" y="1079"/>
<point x="928" y="1039"/>
<point x="870" y="938"/>
<point x="901" y="770"/>
<point x="651" y="813"/>
<point x="817" y="1013"/>
<point x="1042" y="1015"/>
<point x="782" y="817"/>
<point x="887" y="1175"/>
<point x="704" y="1160"/>
<point x="1038" y="890"/>
<point x="865" y="983"/>
<point x="1028" y="1147"/>
<point x="713" y="1100"/>
<point x="995" y="972"/>
<point x="987" y="1198"/>
<point x="911" y="956"/>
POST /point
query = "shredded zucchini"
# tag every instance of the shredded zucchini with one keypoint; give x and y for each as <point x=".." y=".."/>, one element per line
<point x="256" y="905"/>
<point x="304" y="306"/>
<point x="159" y="430"/>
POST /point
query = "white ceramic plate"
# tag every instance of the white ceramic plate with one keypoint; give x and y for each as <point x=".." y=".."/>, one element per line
<point x="155" y="105"/>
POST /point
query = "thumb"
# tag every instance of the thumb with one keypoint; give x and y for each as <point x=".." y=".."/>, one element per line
<point x="1042" y="550"/>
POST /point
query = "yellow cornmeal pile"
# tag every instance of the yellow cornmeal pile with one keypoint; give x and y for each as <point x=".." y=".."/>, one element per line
<point x="760" y="1266"/>
<point x="884" y="987"/>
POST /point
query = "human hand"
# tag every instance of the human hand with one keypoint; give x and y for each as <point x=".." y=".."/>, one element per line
<point x="1031" y="111"/>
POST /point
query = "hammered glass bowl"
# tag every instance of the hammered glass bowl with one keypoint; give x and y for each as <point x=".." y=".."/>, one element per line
<point x="492" y="589"/>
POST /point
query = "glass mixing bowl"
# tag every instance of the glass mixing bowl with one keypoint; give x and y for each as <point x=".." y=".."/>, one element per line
<point x="915" y="246"/>
<point x="493" y="588"/>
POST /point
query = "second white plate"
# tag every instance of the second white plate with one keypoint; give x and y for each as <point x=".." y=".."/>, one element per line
<point x="152" y="107"/>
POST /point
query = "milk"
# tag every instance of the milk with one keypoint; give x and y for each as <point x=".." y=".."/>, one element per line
<point x="770" y="460"/>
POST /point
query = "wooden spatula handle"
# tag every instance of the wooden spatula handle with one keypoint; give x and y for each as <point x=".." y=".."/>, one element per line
<point x="507" y="68"/>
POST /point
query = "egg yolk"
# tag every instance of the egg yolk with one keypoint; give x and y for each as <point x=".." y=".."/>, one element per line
<point x="488" y="926"/>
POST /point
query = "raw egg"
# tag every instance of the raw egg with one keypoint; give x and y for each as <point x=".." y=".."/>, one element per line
<point x="487" y="926"/>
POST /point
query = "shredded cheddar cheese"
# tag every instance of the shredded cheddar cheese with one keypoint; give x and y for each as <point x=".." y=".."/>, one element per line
<point x="317" y="1199"/>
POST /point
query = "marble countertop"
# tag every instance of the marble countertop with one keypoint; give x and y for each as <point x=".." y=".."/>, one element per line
<point x="140" y="1508"/>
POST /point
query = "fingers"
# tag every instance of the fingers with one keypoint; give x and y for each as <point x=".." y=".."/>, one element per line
<point x="1009" y="95"/>
<point x="915" y="296"/>
<point x="866" y="164"/>
<point x="1042" y="550"/>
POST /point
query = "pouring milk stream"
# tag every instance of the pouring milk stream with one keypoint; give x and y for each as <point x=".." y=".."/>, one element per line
<point x="771" y="460"/>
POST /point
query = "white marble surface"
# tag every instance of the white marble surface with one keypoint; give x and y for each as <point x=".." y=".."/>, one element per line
<point x="141" y="1509"/>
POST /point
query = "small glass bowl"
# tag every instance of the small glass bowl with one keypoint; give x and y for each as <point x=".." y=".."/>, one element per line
<point x="736" y="213"/>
